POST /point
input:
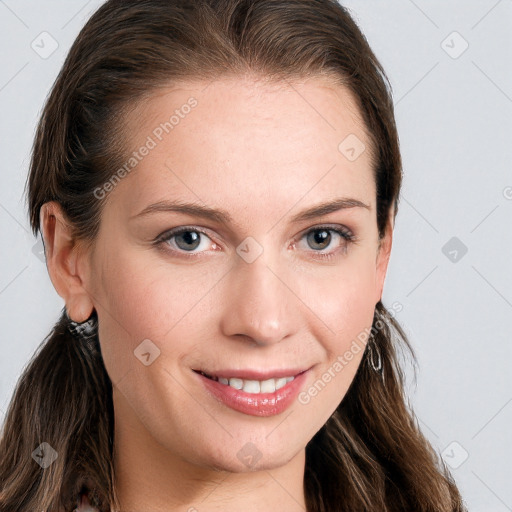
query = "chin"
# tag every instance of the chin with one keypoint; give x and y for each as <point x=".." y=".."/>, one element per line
<point x="249" y="458"/>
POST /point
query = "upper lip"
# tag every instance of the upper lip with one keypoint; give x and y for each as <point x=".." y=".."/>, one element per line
<point x="254" y="374"/>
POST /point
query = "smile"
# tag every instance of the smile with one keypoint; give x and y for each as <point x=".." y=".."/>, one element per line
<point x="265" y="397"/>
<point x="253" y="386"/>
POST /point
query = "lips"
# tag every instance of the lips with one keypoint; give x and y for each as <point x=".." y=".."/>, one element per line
<point x="267" y="397"/>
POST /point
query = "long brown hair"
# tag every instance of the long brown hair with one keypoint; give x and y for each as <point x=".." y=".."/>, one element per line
<point x="370" y="455"/>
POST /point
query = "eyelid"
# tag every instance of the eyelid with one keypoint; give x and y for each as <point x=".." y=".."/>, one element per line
<point x="170" y="233"/>
<point x="333" y="227"/>
<point x="345" y="232"/>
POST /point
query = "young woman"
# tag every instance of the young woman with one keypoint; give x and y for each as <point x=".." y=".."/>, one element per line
<point x="216" y="184"/>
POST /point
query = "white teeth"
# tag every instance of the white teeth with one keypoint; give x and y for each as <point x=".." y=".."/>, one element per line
<point x="283" y="381"/>
<point x="256" y="386"/>
<point x="251" y="386"/>
<point x="268" y="386"/>
<point x="236" y="383"/>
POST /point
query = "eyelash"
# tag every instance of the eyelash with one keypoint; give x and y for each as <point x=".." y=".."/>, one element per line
<point x="345" y="234"/>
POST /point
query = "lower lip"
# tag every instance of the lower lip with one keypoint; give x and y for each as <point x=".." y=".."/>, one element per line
<point x="255" y="404"/>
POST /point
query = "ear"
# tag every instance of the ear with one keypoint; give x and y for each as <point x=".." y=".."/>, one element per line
<point x="64" y="261"/>
<point x="383" y="255"/>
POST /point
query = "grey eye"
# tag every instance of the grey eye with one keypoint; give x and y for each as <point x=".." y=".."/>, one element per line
<point x="319" y="238"/>
<point x="188" y="240"/>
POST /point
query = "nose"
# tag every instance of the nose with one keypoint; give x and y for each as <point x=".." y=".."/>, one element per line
<point x="258" y="304"/>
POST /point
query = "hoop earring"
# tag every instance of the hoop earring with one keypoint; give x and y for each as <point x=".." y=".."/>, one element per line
<point x="374" y="355"/>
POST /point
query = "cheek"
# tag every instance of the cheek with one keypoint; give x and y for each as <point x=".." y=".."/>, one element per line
<point x="144" y="298"/>
<point x="128" y="307"/>
<point x="344" y="298"/>
<point x="345" y="304"/>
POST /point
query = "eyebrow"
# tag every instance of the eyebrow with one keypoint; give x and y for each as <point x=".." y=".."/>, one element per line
<point x="223" y="217"/>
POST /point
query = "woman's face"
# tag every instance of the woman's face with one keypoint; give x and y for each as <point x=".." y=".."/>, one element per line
<point x="260" y="287"/>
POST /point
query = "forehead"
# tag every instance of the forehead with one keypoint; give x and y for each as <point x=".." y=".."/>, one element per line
<point x="248" y="143"/>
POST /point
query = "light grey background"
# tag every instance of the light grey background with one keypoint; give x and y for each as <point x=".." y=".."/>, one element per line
<point x="454" y="115"/>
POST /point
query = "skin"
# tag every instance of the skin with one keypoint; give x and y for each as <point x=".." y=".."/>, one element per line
<point x="263" y="153"/>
